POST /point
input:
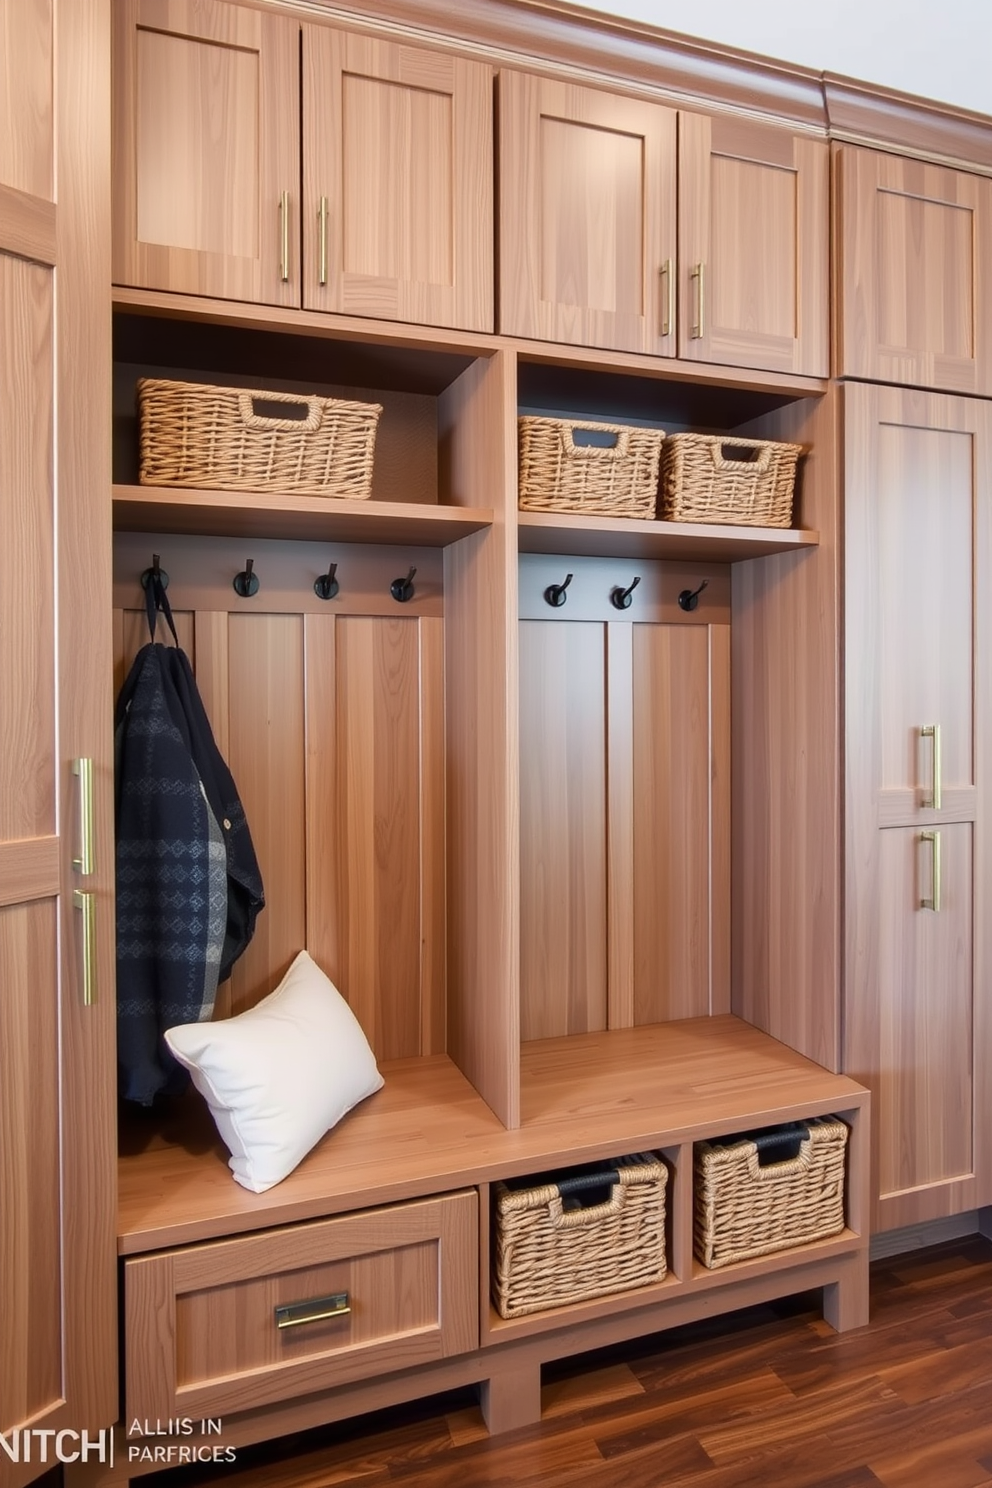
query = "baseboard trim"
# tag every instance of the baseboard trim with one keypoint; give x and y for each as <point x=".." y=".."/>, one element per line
<point x="934" y="1232"/>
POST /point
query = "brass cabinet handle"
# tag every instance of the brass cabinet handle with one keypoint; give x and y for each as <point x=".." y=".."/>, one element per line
<point x="284" y="236"/>
<point x="293" y="1314"/>
<point x="86" y="903"/>
<point x="84" y="863"/>
<point x="932" y="731"/>
<point x="698" y="325"/>
<point x="668" y="298"/>
<point x="322" y="241"/>
<point x="934" y="840"/>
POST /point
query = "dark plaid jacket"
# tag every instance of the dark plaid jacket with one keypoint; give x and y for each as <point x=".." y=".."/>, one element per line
<point x="188" y="883"/>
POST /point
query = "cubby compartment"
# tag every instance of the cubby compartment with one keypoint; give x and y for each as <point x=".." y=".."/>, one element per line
<point x="652" y="398"/>
<point x="412" y="482"/>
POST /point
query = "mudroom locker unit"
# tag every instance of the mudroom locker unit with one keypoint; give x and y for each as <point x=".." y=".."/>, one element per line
<point x="597" y="878"/>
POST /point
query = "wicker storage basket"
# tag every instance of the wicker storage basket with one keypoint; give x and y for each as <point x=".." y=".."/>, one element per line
<point x="549" y="1252"/>
<point x="193" y="434"/>
<point x="559" y="474"/>
<point x="768" y="1191"/>
<point x="743" y="482"/>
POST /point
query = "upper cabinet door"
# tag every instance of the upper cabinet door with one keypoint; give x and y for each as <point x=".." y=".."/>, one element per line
<point x="754" y="237"/>
<point x="915" y="304"/>
<point x="206" y="150"/>
<point x="398" y="181"/>
<point x="587" y="216"/>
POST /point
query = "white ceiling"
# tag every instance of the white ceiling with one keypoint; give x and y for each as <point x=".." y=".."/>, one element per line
<point x="941" y="51"/>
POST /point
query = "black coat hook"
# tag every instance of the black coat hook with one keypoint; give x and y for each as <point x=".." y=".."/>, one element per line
<point x="246" y="582"/>
<point x="325" y="586"/>
<point x="402" y="589"/>
<point x="620" y="599"/>
<point x="555" y="593"/>
<point x="689" y="598"/>
<point x="155" y="572"/>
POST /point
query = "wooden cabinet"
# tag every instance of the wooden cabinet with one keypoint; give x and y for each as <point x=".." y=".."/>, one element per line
<point x="207" y="150"/>
<point x="913" y="246"/>
<point x="395" y="216"/>
<point x="918" y="499"/>
<point x="214" y="1330"/>
<point x="591" y="253"/>
<point x="754" y="239"/>
<point x="398" y="189"/>
<point x="58" y="1365"/>
<point x="587" y="216"/>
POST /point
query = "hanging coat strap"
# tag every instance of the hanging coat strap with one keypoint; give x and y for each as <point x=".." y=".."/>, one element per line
<point x="156" y="599"/>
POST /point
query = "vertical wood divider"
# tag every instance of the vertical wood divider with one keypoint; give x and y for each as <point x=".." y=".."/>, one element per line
<point x="786" y="826"/>
<point x="620" y="822"/>
<point x="720" y="818"/>
<point x="320" y="754"/>
<point x="679" y="1202"/>
<point x="432" y="845"/>
<point x="477" y="439"/>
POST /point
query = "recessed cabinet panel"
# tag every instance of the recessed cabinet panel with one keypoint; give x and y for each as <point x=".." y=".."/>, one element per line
<point x="924" y="1075"/>
<point x="587" y="216"/>
<point x="563" y="879"/>
<point x="923" y="504"/>
<point x="915" y="303"/>
<point x="27" y="553"/>
<point x="753" y="246"/>
<point x="206" y="150"/>
<point x="26" y="114"/>
<point x="398" y="181"/>
<point x="31" y="1361"/>
<point x="672" y="768"/>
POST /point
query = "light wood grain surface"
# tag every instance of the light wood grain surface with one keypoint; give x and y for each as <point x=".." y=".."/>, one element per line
<point x="398" y="139"/>
<point x="754" y="212"/>
<point x="586" y="216"/>
<point x="27" y="135"/>
<point x="918" y="555"/>
<point x="914" y="303"/>
<point x="786" y="743"/>
<point x="584" y="1097"/>
<point x="476" y="424"/>
<point x="206" y="139"/>
<point x="408" y="1273"/>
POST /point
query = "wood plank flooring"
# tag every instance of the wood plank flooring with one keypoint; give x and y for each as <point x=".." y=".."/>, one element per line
<point x="770" y="1397"/>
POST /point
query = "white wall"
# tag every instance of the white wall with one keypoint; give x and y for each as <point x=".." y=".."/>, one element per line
<point x="936" y="48"/>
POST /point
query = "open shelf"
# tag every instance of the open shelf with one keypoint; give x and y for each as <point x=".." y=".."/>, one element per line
<point x="312" y="518"/>
<point x="626" y="537"/>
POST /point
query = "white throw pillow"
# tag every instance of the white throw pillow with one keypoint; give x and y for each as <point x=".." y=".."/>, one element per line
<point x="280" y="1075"/>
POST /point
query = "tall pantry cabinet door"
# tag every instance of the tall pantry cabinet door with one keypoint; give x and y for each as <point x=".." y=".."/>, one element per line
<point x="58" y="1329"/>
<point x="918" y="699"/>
<point x="913" y="247"/>
<point x="586" y="216"/>
<point x="754" y="246"/>
<point x="207" y="150"/>
<point x="398" y="181"/>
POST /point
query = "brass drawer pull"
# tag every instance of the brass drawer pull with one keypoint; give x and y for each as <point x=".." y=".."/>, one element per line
<point x="86" y="904"/>
<point x="322" y="241"/>
<point x="934" y="840"/>
<point x="284" y="236"/>
<point x="698" y="328"/>
<point x="668" y="298"/>
<point x="293" y="1314"/>
<point x="932" y="731"/>
<point x="83" y="864"/>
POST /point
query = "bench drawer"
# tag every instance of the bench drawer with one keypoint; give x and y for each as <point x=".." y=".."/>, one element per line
<point x="224" y="1327"/>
